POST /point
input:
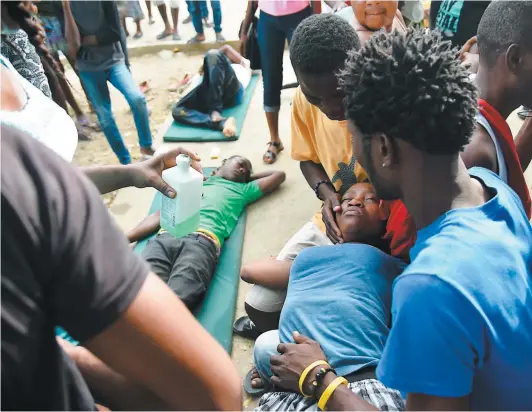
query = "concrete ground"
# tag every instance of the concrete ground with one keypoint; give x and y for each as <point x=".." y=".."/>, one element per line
<point x="273" y="220"/>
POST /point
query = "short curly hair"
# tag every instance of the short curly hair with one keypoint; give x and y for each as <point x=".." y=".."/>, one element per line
<point x="412" y="87"/>
<point x="320" y="44"/>
<point x="504" y="23"/>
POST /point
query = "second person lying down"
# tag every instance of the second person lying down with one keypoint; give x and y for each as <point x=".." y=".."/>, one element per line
<point x="187" y="264"/>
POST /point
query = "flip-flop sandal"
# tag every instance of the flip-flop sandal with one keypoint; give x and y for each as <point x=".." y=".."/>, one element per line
<point x="250" y="390"/>
<point x="195" y="40"/>
<point x="144" y="157"/>
<point x="246" y="328"/>
<point x="138" y="35"/>
<point x="272" y="155"/>
<point x="163" y="35"/>
<point x="151" y="21"/>
<point x="176" y="37"/>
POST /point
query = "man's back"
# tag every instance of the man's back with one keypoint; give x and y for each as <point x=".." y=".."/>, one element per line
<point x="469" y="290"/>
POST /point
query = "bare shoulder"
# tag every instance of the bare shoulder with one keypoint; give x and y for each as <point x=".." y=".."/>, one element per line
<point x="481" y="150"/>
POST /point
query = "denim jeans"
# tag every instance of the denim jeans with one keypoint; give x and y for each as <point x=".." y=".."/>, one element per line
<point x="265" y="346"/>
<point x="219" y="89"/>
<point x="191" y="5"/>
<point x="216" y="16"/>
<point x="273" y="32"/>
<point x="98" y="92"/>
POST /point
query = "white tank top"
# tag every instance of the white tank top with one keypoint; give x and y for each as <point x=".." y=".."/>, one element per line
<point x="503" y="172"/>
<point x="42" y="118"/>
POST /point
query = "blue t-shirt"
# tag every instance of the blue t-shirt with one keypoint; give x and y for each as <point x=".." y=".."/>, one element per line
<point x="340" y="296"/>
<point x="462" y="310"/>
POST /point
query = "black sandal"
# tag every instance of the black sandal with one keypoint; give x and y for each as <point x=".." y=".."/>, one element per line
<point x="271" y="157"/>
<point x="246" y="328"/>
<point x="250" y="390"/>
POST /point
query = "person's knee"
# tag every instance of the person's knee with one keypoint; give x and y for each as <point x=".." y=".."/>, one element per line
<point x="137" y="101"/>
<point x="212" y="56"/>
<point x="265" y="346"/>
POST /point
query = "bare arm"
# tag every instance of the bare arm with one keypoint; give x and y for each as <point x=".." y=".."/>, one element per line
<point x="269" y="181"/>
<point x="481" y="151"/>
<point x="343" y="399"/>
<point x="270" y="273"/>
<point x="109" y="178"/>
<point x="179" y="362"/>
<point x="71" y="30"/>
<point x="143" y="174"/>
<point x="146" y="228"/>
<point x="316" y="7"/>
<point x="250" y="12"/>
<point x="109" y="387"/>
<point x="315" y="173"/>
<point x="523" y="143"/>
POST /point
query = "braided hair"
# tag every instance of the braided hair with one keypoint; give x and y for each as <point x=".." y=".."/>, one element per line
<point x="35" y="32"/>
<point x="411" y="87"/>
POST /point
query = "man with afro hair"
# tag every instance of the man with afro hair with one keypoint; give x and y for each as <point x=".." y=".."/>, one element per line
<point x="461" y="315"/>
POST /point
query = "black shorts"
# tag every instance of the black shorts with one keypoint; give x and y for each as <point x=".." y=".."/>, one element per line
<point x="186" y="264"/>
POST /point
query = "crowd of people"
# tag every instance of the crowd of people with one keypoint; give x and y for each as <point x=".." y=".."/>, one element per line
<point x="198" y="15"/>
<point x="411" y="289"/>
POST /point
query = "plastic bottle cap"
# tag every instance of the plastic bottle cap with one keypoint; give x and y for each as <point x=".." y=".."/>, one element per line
<point x="183" y="161"/>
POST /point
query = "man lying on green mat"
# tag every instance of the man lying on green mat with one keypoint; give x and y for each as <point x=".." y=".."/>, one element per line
<point x="187" y="264"/>
<point x="225" y="74"/>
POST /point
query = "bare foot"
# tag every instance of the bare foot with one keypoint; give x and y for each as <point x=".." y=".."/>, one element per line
<point x="256" y="380"/>
<point x="229" y="129"/>
<point x="216" y="117"/>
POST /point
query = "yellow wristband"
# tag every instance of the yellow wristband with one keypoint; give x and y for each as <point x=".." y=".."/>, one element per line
<point x="306" y="372"/>
<point x="327" y="393"/>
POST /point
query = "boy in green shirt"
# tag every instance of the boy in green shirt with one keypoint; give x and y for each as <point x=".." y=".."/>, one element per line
<point x="187" y="264"/>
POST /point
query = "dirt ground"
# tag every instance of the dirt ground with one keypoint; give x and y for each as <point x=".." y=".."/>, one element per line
<point x="162" y="72"/>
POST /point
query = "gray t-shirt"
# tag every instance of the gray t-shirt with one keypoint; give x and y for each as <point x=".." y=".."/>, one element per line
<point x="64" y="262"/>
<point x="99" y="18"/>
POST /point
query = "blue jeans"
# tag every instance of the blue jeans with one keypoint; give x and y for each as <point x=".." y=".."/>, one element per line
<point x="219" y="89"/>
<point x="191" y="5"/>
<point x="273" y="32"/>
<point x="216" y="16"/>
<point x="265" y="347"/>
<point x="98" y="92"/>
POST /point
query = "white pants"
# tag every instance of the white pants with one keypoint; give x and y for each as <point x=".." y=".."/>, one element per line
<point x="272" y="300"/>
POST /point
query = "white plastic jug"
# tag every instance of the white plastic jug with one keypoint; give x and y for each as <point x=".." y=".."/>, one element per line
<point x="180" y="215"/>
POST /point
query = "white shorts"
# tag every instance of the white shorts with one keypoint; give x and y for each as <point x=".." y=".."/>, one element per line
<point x="174" y="4"/>
<point x="272" y="300"/>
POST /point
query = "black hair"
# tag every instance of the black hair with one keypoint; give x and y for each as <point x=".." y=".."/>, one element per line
<point x="502" y="24"/>
<point x="34" y="30"/>
<point x="412" y="87"/>
<point x="320" y="44"/>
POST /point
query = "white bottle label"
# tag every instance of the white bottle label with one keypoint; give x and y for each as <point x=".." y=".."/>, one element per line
<point x="168" y="210"/>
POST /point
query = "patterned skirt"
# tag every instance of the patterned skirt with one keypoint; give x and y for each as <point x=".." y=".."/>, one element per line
<point x="371" y="390"/>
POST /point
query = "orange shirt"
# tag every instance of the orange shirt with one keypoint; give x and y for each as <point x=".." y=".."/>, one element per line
<point x="327" y="142"/>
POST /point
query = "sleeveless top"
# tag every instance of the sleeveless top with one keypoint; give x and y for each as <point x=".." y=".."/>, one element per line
<point x="503" y="172"/>
<point x="42" y="119"/>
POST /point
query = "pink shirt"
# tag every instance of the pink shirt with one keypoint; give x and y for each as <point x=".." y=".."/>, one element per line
<point x="282" y="7"/>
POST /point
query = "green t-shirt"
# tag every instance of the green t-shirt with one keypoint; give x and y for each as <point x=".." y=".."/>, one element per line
<point x="222" y="203"/>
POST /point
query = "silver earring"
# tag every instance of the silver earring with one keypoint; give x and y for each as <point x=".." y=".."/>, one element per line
<point x="383" y="165"/>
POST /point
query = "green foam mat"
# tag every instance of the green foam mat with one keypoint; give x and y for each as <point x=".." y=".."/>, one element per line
<point x="178" y="132"/>
<point x="217" y="311"/>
